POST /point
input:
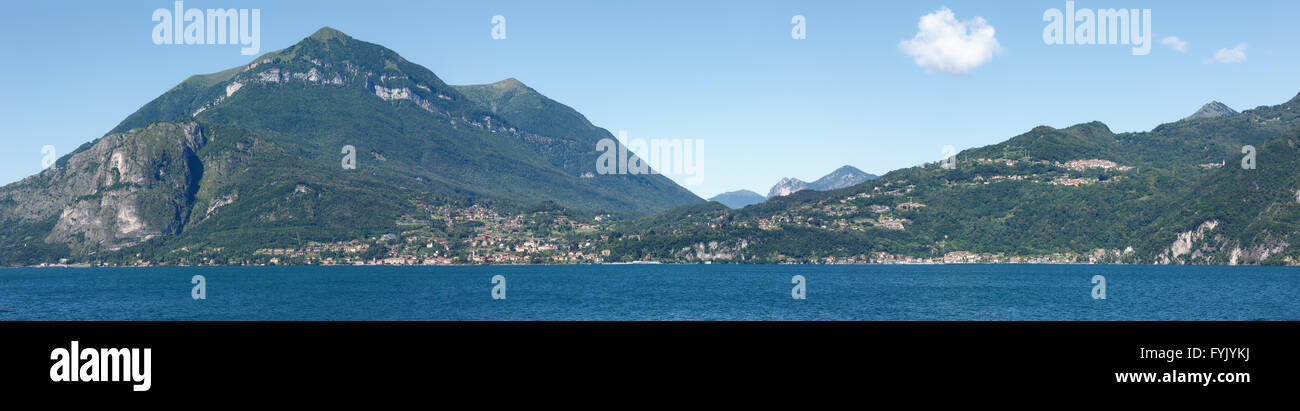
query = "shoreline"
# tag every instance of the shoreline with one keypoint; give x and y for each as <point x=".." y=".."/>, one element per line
<point x="633" y="263"/>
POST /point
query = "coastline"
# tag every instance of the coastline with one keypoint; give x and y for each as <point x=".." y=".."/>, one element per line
<point x="83" y="266"/>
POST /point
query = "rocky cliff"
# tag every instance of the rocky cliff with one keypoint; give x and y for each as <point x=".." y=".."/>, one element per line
<point x="121" y="190"/>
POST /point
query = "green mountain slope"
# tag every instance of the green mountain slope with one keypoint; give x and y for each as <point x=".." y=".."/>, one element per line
<point x="269" y="168"/>
<point x="1077" y="194"/>
<point x="1239" y="215"/>
<point x="566" y="139"/>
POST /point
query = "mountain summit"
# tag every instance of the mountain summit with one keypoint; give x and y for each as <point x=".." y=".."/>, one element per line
<point x="327" y="33"/>
<point x="845" y="176"/>
<point x="1211" y="110"/>
<point x="738" y="198"/>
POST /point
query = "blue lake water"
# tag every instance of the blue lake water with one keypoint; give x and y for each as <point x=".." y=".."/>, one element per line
<point x="655" y="292"/>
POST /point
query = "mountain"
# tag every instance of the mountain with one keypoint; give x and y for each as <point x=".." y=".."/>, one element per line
<point x="1211" y="110"/>
<point x="842" y="177"/>
<point x="1177" y="194"/>
<point x="254" y="156"/>
<point x="738" y="198"/>
<point x="846" y="176"/>
<point x="566" y="139"/>
<point x="786" y="186"/>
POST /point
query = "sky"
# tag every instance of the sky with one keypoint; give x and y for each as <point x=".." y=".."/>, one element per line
<point x="879" y="85"/>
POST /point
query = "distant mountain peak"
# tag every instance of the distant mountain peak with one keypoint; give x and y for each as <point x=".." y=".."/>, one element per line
<point x="786" y="187"/>
<point x="1094" y="125"/>
<point x="326" y="33"/>
<point x="1211" y="110"/>
<point x="842" y="177"/>
<point x="510" y="86"/>
<point x="738" y="198"/>
<point x="510" y="83"/>
<point x="845" y="170"/>
<point x="507" y="87"/>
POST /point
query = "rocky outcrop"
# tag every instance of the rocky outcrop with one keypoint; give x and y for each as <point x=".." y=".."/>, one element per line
<point x="122" y="190"/>
<point x="786" y="187"/>
<point x="712" y="250"/>
<point x="1256" y="253"/>
<point x="1183" y="244"/>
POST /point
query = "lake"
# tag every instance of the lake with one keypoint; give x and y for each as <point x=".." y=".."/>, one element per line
<point x="654" y="292"/>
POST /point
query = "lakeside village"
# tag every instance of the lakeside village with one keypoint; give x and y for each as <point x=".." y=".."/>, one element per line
<point x="469" y="235"/>
<point x="478" y="234"/>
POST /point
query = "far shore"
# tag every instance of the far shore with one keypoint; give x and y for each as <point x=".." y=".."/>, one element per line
<point x="83" y="265"/>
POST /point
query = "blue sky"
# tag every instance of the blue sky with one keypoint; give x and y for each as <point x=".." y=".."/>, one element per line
<point x="766" y="106"/>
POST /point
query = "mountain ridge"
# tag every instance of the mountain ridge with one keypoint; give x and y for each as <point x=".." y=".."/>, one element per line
<point x="1176" y="194"/>
<point x="844" y="176"/>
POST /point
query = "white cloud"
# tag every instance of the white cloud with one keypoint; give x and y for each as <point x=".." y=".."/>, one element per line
<point x="947" y="45"/>
<point x="1232" y="55"/>
<point x="1175" y="42"/>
